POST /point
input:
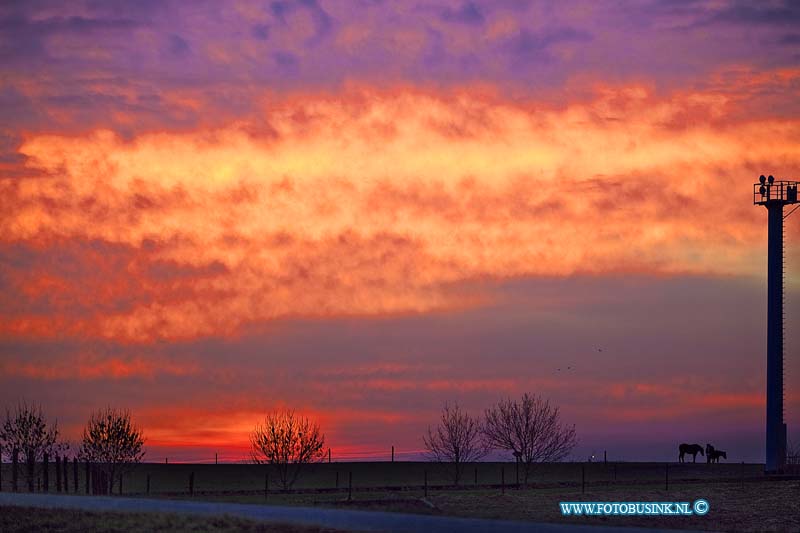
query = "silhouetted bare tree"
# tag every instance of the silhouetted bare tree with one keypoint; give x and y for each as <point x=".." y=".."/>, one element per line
<point x="531" y="429"/>
<point x="287" y="441"/>
<point x="458" y="439"/>
<point x="113" y="442"/>
<point x="26" y="430"/>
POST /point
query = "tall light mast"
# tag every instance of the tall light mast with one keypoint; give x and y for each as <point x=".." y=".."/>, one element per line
<point x="774" y="195"/>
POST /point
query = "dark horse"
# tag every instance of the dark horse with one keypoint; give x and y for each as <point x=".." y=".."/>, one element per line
<point x="716" y="454"/>
<point x="709" y="452"/>
<point x="691" y="449"/>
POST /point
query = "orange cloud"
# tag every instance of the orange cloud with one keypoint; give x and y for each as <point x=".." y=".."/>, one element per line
<point x="382" y="201"/>
<point x="87" y="367"/>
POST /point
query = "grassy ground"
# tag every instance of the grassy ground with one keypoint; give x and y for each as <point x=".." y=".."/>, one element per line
<point x="752" y="506"/>
<point x="19" y="519"/>
<point x="760" y="506"/>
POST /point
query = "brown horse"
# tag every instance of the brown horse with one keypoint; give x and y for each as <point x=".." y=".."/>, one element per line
<point x="691" y="449"/>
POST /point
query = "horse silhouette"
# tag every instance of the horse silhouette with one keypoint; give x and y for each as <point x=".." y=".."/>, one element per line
<point x="716" y="454"/>
<point x="691" y="449"/>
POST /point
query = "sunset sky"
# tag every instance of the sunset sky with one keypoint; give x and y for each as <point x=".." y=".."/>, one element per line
<point x="363" y="209"/>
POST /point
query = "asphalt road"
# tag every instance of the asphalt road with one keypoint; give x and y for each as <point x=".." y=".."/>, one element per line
<point x="334" y="518"/>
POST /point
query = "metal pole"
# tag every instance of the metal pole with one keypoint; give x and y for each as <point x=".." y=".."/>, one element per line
<point x="75" y="475"/>
<point x="392" y="453"/>
<point x="476" y="475"/>
<point x="266" y="485"/>
<point x="666" y="477"/>
<point x="776" y="429"/>
<point x="148" y="484"/>
<point x="350" y="486"/>
<point x="502" y="481"/>
<point x="426" y="483"/>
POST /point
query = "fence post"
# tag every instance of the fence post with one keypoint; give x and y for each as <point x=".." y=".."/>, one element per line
<point x="1" y="472"/>
<point x="31" y="464"/>
<point x="65" y="468"/>
<point x="329" y="456"/>
<point x="392" y="453"/>
<point x="191" y="484"/>
<point x="742" y="474"/>
<point x="583" y="479"/>
<point x="337" y="479"/>
<point x="517" y="471"/>
<point x="75" y="475"/>
<point x="502" y="480"/>
<point x="426" y="483"/>
<point x="476" y="475"/>
<point x="120" y="483"/>
<point x="605" y="457"/>
<point x="666" y="477"/>
<point x="266" y="485"/>
<point x="58" y="473"/>
<point x="46" y="473"/>
<point x="350" y="486"/>
<point x="148" y="484"/>
<point x="615" y="471"/>
<point x="14" y="469"/>
<point x="216" y="458"/>
<point x="88" y="476"/>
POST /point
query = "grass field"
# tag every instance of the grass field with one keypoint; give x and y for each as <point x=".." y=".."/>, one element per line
<point x="762" y="505"/>
<point x="19" y="519"/>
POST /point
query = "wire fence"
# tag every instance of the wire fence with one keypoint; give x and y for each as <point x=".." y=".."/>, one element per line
<point x="345" y="478"/>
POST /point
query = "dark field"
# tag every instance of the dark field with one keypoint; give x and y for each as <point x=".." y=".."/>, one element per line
<point x="243" y="478"/>
<point x="18" y="519"/>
